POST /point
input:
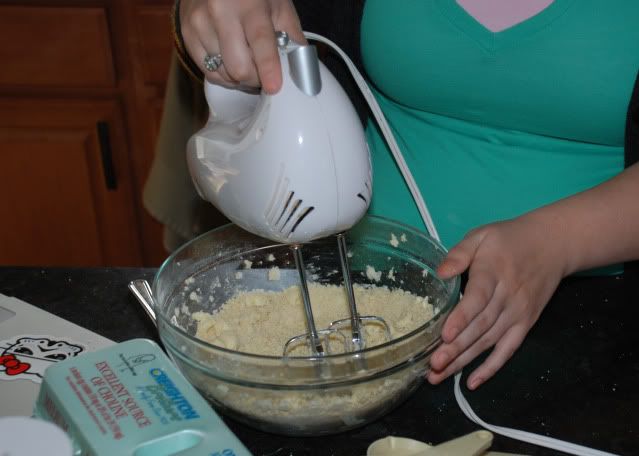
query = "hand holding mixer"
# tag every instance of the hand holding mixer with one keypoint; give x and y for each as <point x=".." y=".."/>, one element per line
<point x="291" y="167"/>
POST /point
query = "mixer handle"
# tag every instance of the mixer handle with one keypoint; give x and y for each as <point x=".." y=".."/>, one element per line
<point x="230" y="105"/>
<point x="305" y="71"/>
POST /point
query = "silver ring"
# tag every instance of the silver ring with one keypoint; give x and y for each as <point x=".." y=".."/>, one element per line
<point x="213" y="62"/>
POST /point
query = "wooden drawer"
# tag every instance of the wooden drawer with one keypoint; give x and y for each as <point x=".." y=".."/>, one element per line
<point x="55" y="47"/>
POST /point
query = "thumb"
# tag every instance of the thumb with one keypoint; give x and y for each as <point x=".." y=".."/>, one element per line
<point x="460" y="256"/>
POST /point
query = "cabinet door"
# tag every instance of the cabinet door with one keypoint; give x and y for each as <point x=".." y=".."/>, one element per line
<point x="65" y="184"/>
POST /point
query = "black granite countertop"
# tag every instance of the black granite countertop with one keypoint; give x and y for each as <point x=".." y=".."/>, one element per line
<point x="576" y="376"/>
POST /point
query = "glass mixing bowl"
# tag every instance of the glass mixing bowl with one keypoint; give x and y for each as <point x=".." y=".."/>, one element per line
<point x="301" y="395"/>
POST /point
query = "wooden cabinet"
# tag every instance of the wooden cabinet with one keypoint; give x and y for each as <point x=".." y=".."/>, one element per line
<point x="81" y="89"/>
<point x="66" y="184"/>
<point x="71" y="47"/>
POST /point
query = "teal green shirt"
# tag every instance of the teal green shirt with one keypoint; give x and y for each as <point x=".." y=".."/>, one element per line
<point x="493" y="125"/>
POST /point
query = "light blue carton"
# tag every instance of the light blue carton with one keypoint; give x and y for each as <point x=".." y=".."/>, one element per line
<point x="129" y="399"/>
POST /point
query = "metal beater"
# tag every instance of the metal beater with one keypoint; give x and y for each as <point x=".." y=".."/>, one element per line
<point x="355" y="321"/>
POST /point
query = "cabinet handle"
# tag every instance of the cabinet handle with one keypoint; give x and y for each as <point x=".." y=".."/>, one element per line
<point x="108" y="169"/>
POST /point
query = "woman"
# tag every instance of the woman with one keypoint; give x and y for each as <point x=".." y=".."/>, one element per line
<point x="512" y="117"/>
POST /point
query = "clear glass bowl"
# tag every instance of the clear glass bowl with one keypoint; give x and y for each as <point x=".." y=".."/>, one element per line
<point x="301" y="395"/>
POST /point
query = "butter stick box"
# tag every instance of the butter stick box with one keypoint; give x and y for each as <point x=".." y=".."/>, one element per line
<point x="129" y="399"/>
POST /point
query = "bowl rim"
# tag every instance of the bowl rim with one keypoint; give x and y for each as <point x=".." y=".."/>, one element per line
<point x="452" y="300"/>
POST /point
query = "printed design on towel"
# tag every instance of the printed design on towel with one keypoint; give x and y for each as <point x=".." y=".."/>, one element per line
<point x="26" y="357"/>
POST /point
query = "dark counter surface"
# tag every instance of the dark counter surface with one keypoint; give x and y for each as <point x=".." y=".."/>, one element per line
<point x="575" y="377"/>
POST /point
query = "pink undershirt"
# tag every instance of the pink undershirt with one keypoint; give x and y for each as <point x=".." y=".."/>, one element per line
<point x="498" y="15"/>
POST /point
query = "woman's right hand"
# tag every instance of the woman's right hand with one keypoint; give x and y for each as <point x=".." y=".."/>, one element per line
<point x="243" y="32"/>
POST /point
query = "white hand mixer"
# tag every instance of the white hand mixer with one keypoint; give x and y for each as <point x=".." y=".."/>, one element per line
<point x="291" y="167"/>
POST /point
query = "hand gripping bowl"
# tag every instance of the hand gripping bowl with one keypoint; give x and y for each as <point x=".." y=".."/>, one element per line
<point x="301" y="395"/>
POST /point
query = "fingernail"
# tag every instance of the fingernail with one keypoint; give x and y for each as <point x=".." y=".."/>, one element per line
<point x="475" y="382"/>
<point x="445" y="270"/>
<point x="442" y="359"/>
<point x="452" y="333"/>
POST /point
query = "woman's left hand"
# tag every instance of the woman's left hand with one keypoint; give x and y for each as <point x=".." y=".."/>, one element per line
<point x="513" y="269"/>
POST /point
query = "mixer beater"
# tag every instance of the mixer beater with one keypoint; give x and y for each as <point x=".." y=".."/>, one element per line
<point x="355" y="321"/>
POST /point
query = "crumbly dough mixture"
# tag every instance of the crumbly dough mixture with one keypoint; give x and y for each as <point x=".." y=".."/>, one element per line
<point x="261" y="322"/>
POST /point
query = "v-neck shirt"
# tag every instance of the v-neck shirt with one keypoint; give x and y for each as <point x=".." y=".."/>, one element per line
<point x="497" y="15"/>
<point x="493" y="125"/>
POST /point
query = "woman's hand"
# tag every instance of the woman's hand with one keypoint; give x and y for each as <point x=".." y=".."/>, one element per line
<point x="514" y="268"/>
<point x="243" y="32"/>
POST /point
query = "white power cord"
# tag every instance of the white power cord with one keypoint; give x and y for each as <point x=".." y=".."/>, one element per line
<point x="536" y="439"/>
<point x="523" y="436"/>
